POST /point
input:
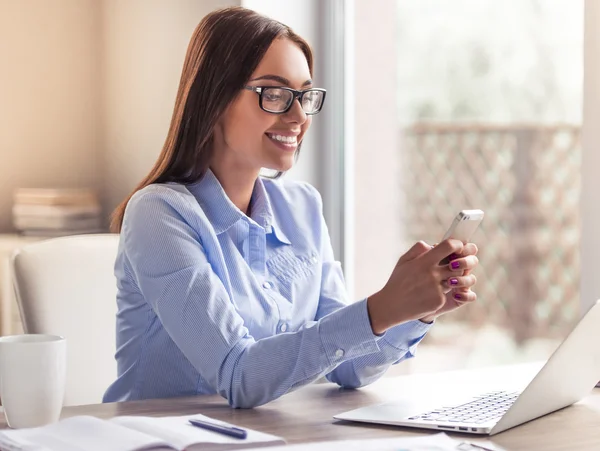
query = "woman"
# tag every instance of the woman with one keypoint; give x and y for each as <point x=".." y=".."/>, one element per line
<point x="226" y="280"/>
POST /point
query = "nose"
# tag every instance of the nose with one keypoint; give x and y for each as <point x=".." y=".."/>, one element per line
<point x="295" y="114"/>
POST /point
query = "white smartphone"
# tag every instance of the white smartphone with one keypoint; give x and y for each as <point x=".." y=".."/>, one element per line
<point x="464" y="225"/>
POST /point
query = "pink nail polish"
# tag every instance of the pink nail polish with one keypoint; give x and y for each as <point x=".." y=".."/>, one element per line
<point x="453" y="281"/>
<point x="457" y="296"/>
<point x="455" y="265"/>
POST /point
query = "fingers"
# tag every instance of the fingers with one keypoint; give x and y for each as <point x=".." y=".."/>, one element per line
<point x="418" y="249"/>
<point x="442" y="250"/>
<point x="468" y="249"/>
<point x="462" y="264"/>
<point x="460" y="282"/>
<point x="463" y="296"/>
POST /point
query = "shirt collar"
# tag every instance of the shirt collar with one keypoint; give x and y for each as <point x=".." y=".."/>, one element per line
<point x="262" y="211"/>
<point x="222" y="213"/>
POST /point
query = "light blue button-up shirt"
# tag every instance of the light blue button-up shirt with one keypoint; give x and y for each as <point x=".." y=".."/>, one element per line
<point x="213" y="301"/>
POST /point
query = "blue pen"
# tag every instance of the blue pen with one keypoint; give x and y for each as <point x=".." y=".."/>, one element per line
<point x="231" y="431"/>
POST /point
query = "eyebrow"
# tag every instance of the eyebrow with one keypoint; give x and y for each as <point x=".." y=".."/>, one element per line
<point x="282" y="80"/>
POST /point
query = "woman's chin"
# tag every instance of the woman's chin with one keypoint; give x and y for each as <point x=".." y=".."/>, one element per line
<point x="281" y="166"/>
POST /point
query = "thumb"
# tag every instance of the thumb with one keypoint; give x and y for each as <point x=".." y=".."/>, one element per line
<point x="417" y="250"/>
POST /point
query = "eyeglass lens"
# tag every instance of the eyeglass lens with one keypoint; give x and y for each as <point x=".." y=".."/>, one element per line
<point x="279" y="100"/>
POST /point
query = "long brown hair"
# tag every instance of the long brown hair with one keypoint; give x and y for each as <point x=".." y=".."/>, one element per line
<point x="224" y="50"/>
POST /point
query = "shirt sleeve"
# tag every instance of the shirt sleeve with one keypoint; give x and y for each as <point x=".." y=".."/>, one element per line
<point x="164" y="244"/>
<point x="395" y="345"/>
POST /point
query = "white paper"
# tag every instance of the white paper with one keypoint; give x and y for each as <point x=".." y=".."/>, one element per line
<point x="81" y="433"/>
<point x="127" y="433"/>
<point x="180" y="433"/>
<point x="434" y="442"/>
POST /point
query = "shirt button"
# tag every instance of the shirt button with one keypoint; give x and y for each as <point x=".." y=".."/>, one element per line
<point x="267" y="285"/>
<point x="283" y="328"/>
<point x="314" y="260"/>
<point x="339" y="353"/>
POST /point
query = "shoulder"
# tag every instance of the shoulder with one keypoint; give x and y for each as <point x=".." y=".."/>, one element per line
<point x="293" y="192"/>
<point x="160" y="202"/>
<point x="298" y="210"/>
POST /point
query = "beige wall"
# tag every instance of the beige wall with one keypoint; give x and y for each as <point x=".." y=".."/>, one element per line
<point x="143" y="46"/>
<point x="49" y="96"/>
<point x="87" y="89"/>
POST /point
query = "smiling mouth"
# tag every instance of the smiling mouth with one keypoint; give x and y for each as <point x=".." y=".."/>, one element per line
<point x="290" y="142"/>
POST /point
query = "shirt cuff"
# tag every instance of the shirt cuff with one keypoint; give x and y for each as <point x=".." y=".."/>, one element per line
<point x="347" y="334"/>
<point x="406" y="336"/>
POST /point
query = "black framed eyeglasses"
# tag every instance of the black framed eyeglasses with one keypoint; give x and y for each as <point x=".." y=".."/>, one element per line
<point x="279" y="100"/>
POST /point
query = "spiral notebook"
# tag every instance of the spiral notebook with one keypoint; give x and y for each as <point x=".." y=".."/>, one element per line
<point x="129" y="433"/>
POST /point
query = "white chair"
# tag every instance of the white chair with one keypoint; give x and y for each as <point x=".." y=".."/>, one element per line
<point x="66" y="286"/>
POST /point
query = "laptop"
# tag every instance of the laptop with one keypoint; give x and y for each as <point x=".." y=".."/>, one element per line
<point x="570" y="373"/>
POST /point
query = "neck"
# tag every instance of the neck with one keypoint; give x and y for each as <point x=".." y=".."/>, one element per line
<point x="237" y="183"/>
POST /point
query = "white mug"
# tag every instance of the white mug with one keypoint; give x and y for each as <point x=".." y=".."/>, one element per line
<point x="32" y="378"/>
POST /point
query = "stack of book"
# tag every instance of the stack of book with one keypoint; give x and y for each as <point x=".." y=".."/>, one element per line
<point x="56" y="212"/>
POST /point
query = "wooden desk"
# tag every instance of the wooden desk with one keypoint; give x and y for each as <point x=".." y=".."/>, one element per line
<point x="306" y="415"/>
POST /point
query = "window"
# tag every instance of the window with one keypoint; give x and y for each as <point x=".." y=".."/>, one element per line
<point x="473" y="104"/>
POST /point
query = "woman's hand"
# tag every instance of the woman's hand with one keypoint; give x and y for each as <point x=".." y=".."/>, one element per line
<point x="458" y="286"/>
<point x="417" y="287"/>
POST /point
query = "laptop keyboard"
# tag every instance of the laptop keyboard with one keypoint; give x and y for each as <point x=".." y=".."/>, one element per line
<point x="483" y="409"/>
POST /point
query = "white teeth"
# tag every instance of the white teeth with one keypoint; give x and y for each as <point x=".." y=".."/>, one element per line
<point x="284" y="139"/>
